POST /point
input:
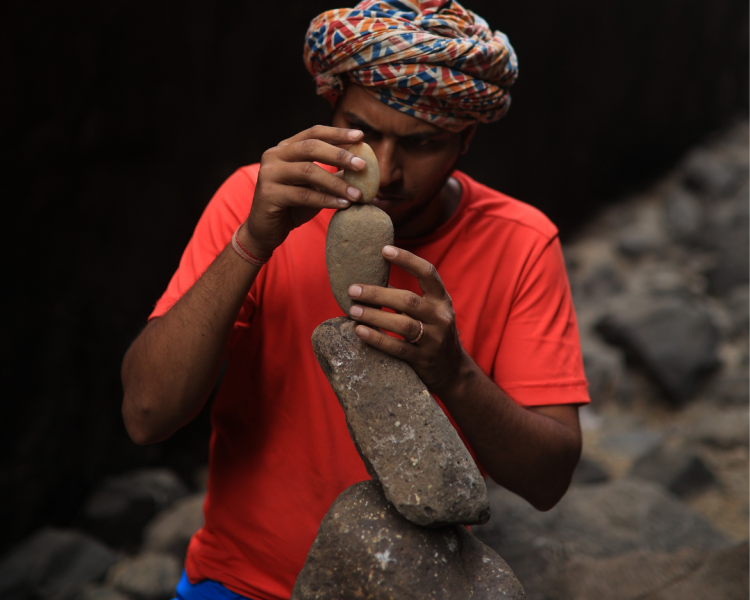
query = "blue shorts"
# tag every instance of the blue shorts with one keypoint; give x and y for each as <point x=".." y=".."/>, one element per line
<point x="204" y="590"/>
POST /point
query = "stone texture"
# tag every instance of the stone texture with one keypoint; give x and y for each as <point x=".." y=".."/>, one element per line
<point x="589" y="471"/>
<point x="354" y="244"/>
<point x="147" y="576"/>
<point x="366" y="549"/>
<point x="367" y="180"/>
<point x="680" y="470"/>
<point x="723" y="428"/>
<point x="403" y="436"/>
<point x="675" y="342"/>
<point x="53" y="564"/>
<point x="630" y="576"/>
<point x="593" y="521"/>
<point x="723" y="575"/>
<point x="120" y="507"/>
<point x="170" y="531"/>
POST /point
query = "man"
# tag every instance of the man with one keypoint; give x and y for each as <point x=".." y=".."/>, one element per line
<point x="478" y="292"/>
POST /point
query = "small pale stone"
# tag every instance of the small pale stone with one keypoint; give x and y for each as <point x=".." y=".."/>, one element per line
<point x="354" y="245"/>
<point x="367" y="180"/>
<point x="404" y="438"/>
<point x="366" y="549"/>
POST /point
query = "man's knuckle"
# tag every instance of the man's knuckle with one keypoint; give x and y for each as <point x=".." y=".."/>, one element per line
<point x="309" y="145"/>
<point x="341" y="154"/>
<point x="401" y="351"/>
<point x="413" y="301"/>
<point x="307" y="168"/>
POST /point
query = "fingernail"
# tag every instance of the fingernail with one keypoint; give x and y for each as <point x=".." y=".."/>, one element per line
<point x="362" y="331"/>
<point x="353" y="192"/>
<point x="358" y="163"/>
<point x="354" y="134"/>
<point x="390" y="251"/>
<point x="342" y="201"/>
<point x="355" y="291"/>
<point x="356" y="311"/>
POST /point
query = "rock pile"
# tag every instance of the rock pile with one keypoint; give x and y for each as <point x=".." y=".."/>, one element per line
<point x="659" y="504"/>
<point x="399" y="535"/>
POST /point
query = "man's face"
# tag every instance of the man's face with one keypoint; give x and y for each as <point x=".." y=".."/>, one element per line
<point x="415" y="157"/>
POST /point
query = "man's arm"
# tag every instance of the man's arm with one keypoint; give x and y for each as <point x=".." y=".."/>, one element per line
<point x="170" y="369"/>
<point x="531" y="451"/>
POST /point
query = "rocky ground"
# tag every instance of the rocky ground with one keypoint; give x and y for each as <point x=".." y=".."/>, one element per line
<point x="659" y="505"/>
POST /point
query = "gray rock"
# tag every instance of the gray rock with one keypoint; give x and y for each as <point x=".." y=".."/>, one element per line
<point x="631" y="576"/>
<point x="681" y="471"/>
<point x="633" y="443"/>
<point x="120" y="507"/>
<point x="723" y="575"/>
<point x="729" y="236"/>
<point x="98" y="592"/>
<point x="366" y="549"/>
<point x="683" y="215"/>
<point x="674" y="342"/>
<point x="170" y="531"/>
<point x="404" y="438"/>
<point x="147" y="576"/>
<point x="595" y="521"/>
<point x="723" y="428"/>
<point x="354" y="245"/>
<point x="53" y="564"/>
<point x="589" y="471"/>
<point x="738" y="301"/>
<point x="706" y="173"/>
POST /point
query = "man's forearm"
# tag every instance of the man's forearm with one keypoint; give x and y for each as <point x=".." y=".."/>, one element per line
<point x="530" y="451"/>
<point x="169" y="370"/>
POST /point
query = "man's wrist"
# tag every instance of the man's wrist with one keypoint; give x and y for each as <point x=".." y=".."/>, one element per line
<point x="248" y="241"/>
<point x="457" y="385"/>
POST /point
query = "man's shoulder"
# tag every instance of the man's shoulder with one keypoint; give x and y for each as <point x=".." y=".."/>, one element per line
<point x="488" y="203"/>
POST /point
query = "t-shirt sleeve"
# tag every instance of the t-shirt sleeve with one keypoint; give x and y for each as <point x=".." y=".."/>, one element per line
<point x="227" y="209"/>
<point x="539" y="361"/>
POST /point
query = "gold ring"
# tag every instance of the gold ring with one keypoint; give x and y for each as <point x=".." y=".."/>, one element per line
<point x="421" y="331"/>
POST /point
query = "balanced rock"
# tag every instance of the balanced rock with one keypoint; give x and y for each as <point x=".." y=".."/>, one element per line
<point x="404" y="438"/>
<point x="366" y="549"/>
<point x="367" y="180"/>
<point x="354" y="245"/>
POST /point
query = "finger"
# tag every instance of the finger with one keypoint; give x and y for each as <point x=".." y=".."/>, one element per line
<point x="317" y="150"/>
<point x="332" y="135"/>
<point x="377" y="339"/>
<point x="311" y="175"/>
<point x="297" y="196"/>
<point x="425" y="272"/>
<point x="403" y="325"/>
<point x="402" y="301"/>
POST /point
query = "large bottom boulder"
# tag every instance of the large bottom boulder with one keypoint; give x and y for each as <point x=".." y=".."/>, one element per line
<point x="366" y="549"/>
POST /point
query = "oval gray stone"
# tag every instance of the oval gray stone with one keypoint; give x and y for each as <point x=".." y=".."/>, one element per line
<point x="366" y="549"/>
<point x="404" y="438"/>
<point x="354" y="245"/>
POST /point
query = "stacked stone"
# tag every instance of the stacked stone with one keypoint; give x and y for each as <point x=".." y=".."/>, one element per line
<point x="402" y="534"/>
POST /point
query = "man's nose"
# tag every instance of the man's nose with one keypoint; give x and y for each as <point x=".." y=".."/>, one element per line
<point x="390" y="167"/>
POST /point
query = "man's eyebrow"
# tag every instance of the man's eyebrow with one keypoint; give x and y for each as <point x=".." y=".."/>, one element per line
<point x="415" y="137"/>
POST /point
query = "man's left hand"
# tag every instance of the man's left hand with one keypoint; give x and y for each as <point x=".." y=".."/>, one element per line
<point x="427" y="322"/>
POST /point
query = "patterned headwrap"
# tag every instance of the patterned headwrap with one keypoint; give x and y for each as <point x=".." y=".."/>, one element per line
<point x="432" y="59"/>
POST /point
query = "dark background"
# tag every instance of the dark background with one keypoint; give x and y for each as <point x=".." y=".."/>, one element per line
<point x="119" y="119"/>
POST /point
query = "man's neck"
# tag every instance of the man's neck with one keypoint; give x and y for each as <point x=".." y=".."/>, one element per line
<point x="435" y="214"/>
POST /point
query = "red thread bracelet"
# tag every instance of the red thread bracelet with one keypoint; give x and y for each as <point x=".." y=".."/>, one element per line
<point x="243" y="252"/>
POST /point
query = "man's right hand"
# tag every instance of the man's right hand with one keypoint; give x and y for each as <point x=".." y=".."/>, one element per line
<point x="292" y="189"/>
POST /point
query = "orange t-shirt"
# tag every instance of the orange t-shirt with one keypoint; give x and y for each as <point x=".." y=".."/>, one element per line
<point x="280" y="450"/>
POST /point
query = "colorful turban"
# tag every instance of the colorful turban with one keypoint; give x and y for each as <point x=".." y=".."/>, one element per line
<point x="432" y="59"/>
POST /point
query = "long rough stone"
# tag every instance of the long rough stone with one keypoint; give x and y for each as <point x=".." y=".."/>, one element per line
<point x="354" y="244"/>
<point x="404" y="438"/>
<point x="366" y="549"/>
